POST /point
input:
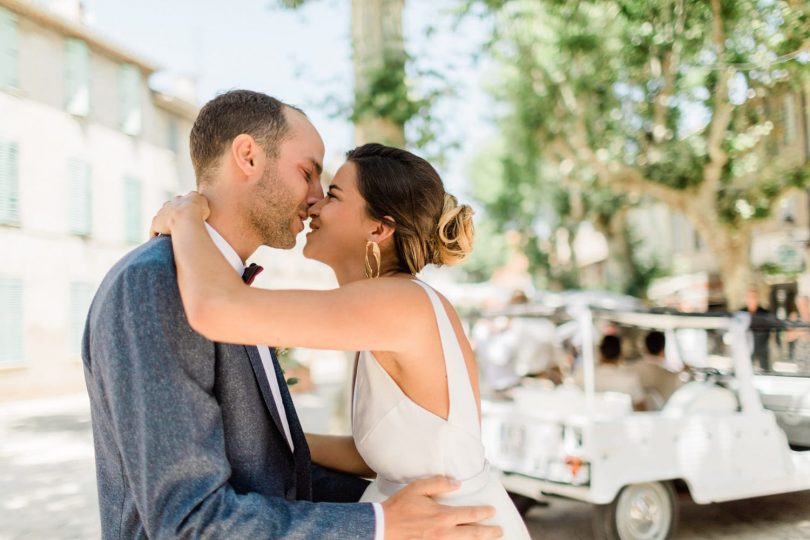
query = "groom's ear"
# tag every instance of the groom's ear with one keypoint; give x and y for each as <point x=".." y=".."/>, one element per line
<point x="248" y="156"/>
<point x="383" y="230"/>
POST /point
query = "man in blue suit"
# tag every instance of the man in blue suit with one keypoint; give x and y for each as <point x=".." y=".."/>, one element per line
<point x="200" y="439"/>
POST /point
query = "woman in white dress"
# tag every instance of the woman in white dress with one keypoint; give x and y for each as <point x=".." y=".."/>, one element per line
<point x="416" y="408"/>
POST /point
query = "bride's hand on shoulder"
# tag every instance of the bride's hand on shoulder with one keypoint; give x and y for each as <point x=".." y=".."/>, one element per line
<point x="190" y="206"/>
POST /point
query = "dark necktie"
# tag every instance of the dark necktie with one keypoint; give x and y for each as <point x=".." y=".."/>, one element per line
<point x="251" y="272"/>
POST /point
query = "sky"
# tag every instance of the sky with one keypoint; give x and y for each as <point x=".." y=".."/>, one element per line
<point x="302" y="57"/>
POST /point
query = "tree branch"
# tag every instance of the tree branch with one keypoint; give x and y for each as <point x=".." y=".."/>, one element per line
<point x="669" y="68"/>
<point x="628" y="180"/>
<point x="722" y="109"/>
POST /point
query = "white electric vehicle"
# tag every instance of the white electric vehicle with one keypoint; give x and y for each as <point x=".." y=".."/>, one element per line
<point x="713" y="437"/>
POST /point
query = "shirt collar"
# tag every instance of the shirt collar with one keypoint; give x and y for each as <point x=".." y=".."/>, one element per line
<point x="227" y="251"/>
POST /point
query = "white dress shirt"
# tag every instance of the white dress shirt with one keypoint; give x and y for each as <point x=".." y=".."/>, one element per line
<point x="267" y="362"/>
<point x="264" y="351"/>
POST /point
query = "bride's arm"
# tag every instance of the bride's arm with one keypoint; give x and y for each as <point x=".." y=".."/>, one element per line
<point x="359" y="316"/>
<point x="338" y="452"/>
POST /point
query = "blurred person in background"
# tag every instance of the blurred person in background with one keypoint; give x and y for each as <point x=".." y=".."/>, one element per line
<point x="657" y="381"/>
<point x="511" y="347"/>
<point x="760" y="330"/>
<point x="798" y="339"/>
<point x="612" y="375"/>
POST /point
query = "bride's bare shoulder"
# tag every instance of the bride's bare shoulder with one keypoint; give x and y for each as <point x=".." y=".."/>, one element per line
<point x="399" y="295"/>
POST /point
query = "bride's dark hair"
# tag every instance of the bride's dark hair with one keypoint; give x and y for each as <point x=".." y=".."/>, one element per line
<point x="405" y="191"/>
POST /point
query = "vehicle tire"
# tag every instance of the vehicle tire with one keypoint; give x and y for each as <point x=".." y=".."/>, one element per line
<point x="647" y="511"/>
<point x="522" y="503"/>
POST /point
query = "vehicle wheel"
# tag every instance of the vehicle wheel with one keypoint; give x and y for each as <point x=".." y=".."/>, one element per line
<point x="522" y="503"/>
<point x="647" y="511"/>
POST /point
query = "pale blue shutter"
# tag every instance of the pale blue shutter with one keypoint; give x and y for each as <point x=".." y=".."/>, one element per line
<point x="77" y="77"/>
<point x="790" y="119"/>
<point x="9" y="50"/>
<point x="9" y="184"/>
<point x="173" y="136"/>
<point x="133" y="228"/>
<point x="11" y="321"/>
<point x="81" y="295"/>
<point x="129" y="99"/>
<point x="80" y="198"/>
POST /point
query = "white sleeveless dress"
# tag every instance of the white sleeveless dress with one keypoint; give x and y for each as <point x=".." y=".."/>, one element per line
<point x="402" y="442"/>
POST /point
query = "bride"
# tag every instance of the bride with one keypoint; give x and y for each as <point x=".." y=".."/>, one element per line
<point x="416" y="406"/>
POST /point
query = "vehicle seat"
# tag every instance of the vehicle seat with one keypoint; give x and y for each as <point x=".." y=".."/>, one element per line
<point x="567" y="400"/>
<point x="701" y="397"/>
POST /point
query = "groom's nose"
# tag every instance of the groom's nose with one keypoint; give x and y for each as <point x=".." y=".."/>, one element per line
<point x="315" y="209"/>
<point x="315" y="193"/>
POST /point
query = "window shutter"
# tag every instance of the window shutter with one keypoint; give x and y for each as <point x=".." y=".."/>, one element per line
<point x="133" y="229"/>
<point x="173" y="136"/>
<point x="11" y="321"/>
<point x="9" y="50"/>
<point x="77" y="77"/>
<point x="9" y="184"/>
<point x="129" y="87"/>
<point x="790" y="119"/>
<point x="80" y="211"/>
<point x="81" y="295"/>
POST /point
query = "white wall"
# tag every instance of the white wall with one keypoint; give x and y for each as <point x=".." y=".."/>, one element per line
<point x="41" y="251"/>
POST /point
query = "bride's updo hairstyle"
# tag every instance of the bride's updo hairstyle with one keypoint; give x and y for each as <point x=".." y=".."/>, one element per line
<point x="405" y="191"/>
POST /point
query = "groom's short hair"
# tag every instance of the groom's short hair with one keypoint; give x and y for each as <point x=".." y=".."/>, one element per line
<point x="229" y="115"/>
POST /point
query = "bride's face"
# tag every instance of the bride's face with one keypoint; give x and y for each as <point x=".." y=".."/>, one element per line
<point x="340" y="225"/>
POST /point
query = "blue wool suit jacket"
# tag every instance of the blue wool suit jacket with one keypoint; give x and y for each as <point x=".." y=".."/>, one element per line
<point x="187" y="437"/>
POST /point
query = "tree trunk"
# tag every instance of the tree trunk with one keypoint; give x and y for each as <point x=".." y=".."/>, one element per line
<point x="619" y="264"/>
<point x="376" y="33"/>
<point x="735" y="267"/>
<point x="730" y="244"/>
<point x="732" y="247"/>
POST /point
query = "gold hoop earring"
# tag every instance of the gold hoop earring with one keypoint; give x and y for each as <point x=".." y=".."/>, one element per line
<point x="375" y="250"/>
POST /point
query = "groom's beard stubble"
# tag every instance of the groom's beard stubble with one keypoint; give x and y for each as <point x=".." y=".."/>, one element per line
<point x="271" y="211"/>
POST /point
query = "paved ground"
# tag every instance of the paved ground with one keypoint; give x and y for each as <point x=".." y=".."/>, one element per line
<point x="781" y="517"/>
<point x="47" y="488"/>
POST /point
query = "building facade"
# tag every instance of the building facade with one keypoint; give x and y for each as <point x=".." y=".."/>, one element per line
<point x="88" y="153"/>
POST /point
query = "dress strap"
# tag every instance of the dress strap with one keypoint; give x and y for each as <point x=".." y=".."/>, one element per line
<point x="463" y="406"/>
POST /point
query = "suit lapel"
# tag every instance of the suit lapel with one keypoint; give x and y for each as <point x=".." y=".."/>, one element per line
<point x="264" y="386"/>
<point x="301" y="452"/>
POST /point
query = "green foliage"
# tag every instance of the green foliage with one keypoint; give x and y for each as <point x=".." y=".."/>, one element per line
<point x="489" y="253"/>
<point x="634" y="85"/>
<point x="644" y="272"/>
<point x="386" y="94"/>
<point x="389" y="93"/>
<point x="292" y="4"/>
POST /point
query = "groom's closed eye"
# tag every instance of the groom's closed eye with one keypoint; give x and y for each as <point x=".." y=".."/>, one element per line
<point x="313" y="169"/>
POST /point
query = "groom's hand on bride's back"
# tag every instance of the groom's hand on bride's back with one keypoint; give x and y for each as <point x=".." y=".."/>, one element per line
<point x="412" y="513"/>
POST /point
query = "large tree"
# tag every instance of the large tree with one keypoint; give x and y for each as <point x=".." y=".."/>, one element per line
<point x="678" y="100"/>
<point x="384" y="100"/>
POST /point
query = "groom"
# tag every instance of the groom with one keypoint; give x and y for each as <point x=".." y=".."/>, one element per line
<point x="200" y="439"/>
